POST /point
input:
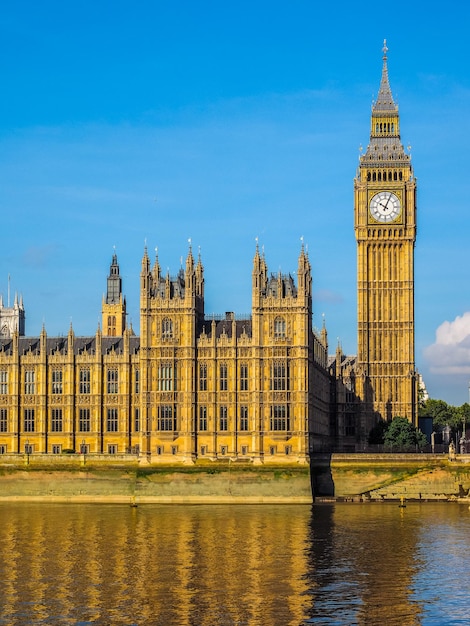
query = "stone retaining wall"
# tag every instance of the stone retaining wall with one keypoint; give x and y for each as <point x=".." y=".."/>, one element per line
<point x="391" y="477"/>
<point x="358" y="477"/>
<point x="108" y="481"/>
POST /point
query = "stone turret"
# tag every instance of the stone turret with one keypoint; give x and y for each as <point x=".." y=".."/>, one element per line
<point x="12" y="318"/>
<point x="114" y="304"/>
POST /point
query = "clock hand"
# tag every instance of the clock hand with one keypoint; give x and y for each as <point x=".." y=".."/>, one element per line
<point x="385" y="206"/>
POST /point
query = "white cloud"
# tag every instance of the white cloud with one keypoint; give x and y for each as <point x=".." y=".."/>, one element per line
<point x="450" y="354"/>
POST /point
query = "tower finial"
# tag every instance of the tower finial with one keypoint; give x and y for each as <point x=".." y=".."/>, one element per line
<point x="385" y="50"/>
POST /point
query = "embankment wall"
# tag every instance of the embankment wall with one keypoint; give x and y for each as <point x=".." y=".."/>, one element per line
<point x="122" y="480"/>
<point x="357" y="477"/>
<point x="391" y="477"/>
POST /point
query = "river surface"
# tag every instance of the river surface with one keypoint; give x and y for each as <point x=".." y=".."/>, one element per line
<point x="235" y="565"/>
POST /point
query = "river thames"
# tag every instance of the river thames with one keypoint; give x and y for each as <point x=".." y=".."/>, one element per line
<point x="235" y="564"/>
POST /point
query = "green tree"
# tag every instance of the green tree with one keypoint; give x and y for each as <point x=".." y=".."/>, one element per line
<point x="442" y="413"/>
<point x="402" y="435"/>
<point x="462" y="415"/>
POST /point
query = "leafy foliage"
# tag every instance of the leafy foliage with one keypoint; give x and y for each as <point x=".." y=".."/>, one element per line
<point x="402" y="434"/>
<point x="444" y="414"/>
<point x="399" y="434"/>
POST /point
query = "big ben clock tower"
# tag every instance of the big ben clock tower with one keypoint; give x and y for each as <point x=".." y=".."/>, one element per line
<point x="385" y="227"/>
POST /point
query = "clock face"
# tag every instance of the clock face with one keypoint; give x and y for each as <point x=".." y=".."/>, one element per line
<point x="385" y="207"/>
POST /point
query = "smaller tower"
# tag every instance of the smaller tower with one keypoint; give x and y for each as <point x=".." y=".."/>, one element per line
<point x="12" y="318"/>
<point x="114" y="305"/>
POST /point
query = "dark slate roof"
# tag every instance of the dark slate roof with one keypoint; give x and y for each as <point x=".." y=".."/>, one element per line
<point x="81" y="345"/>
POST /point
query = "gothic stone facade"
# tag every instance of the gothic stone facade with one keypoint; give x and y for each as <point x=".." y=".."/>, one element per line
<point x="190" y="387"/>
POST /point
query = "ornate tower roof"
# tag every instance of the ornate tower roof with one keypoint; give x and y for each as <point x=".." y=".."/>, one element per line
<point x="114" y="283"/>
<point x="384" y="102"/>
<point x="385" y="147"/>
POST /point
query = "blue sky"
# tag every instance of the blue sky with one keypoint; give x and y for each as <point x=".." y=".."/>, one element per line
<point x="221" y="122"/>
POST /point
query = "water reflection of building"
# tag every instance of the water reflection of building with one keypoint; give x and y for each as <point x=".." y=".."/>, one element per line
<point x="153" y="565"/>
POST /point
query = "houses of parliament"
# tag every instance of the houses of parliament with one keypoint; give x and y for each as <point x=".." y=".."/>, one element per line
<point x="261" y="388"/>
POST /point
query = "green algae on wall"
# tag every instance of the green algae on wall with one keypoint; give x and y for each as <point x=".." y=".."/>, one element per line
<point x="389" y="477"/>
<point x="192" y="484"/>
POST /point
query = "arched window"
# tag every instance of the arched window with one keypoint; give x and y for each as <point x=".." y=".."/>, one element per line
<point x="279" y="376"/>
<point x="166" y="418"/>
<point x="368" y="176"/>
<point x="280" y="417"/>
<point x="243" y="377"/>
<point x="223" y="377"/>
<point x="112" y="380"/>
<point x="203" y="377"/>
<point x="167" y="328"/>
<point x="374" y="177"/>
<point x="166" y="377"/>
<point x="379" y="176"/>
<point x="279" y="328"/>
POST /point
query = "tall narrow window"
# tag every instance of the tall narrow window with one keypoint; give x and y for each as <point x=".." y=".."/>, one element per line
<point x="279" y="378"/>
<point x="84" y="421"/>
<point x="112" y="421"/>
<point x="136" y="381"/>
<point x="56" y="381"/>
<point x="280" y="417"/>
<point x="56" y="420"/>
<point x="3" y="382"/>
<point x="243" y="377"/>
<point x="29" y="424"/>
<point x="112" y="325"/>
<point x="112" y="380"/>
<point x="202" y="418"/>
<point x="166" y="378"/>
<point x="223" y="377"/>
<point x="3" y="420"/>
<point x="167" y="329"/>
<point x="243" y="418"/>
<point x="29" y="383"/>
<point x="166" y="418"/>
<point x="203" y="377"/>
<point x="136" y="420"/>
<point x="223" y="421"/>
<point x="84" y="380"/>
<point x="279" y="328"/>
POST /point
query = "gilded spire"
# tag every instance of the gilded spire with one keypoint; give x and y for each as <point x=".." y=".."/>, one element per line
<point x="384" y="100"/>
<point x="189" y="258"/>
<point x="145" y="259"/>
